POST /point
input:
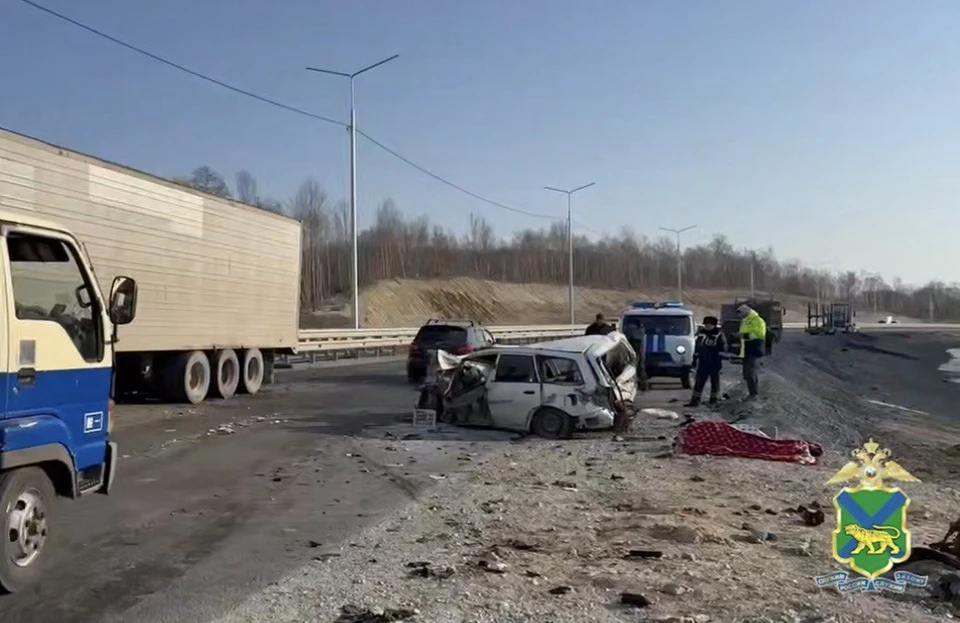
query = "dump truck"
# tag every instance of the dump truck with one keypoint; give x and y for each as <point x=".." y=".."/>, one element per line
<point x="218" y="280"/>
<point x="770" y="310"/>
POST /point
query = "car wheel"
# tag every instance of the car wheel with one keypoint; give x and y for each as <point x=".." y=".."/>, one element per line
<point x="551" y="424"/>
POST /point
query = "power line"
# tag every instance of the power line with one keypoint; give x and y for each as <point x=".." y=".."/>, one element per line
<point x="273" y="102"/>
<point x="169" y="63"/>
<point x="449" y="183"/>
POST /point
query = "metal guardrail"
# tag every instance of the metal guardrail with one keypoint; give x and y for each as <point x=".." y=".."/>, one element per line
<point x="342" y="341"/>
<point x="329" y="340"/>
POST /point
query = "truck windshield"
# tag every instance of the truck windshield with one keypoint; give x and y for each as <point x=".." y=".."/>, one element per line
<point x="666" y="325"/>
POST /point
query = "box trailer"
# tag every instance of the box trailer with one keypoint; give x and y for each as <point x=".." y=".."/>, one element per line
<point x="219" y="280"/>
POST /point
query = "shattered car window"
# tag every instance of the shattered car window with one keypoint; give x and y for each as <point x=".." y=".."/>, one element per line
<point x="559" y="370"/>
<point x="434" y="334"/>
<point x="617" y="360"/>
<point x="666" y="325"/>
<point x="516" y="369"/>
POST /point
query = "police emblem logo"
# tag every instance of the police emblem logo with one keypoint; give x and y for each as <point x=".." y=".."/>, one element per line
<point x="872" y="533"/>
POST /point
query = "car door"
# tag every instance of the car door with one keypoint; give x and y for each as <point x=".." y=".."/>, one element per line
<point x="60" y="369"/>
<point x="514" y="392"/>
<point x="559" y="379"/>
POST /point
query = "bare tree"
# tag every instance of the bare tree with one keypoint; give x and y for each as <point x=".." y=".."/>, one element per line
<point x="396" y="246"/>
<point x="247" y="188"/>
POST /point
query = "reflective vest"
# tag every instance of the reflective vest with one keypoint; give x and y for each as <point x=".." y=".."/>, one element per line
<point x="752" y="328"/>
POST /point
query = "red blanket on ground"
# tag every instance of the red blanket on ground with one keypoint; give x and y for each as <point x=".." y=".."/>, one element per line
<point x="722" y="439"/>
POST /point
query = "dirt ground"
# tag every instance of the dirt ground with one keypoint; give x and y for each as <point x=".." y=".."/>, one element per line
<point x="408" y="303"/>
<point x="542" y="531"/>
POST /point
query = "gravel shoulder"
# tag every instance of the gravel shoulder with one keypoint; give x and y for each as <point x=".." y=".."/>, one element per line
<point x="543" y="531"/>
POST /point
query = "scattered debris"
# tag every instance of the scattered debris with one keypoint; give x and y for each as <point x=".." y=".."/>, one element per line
<point x="423" y="569"/>
<point x="663" y="414"/>
<point x="634" y="599"/>
<point x="565" y="484"/>
<point x="636" y="554"/>
<point x="356" y="614"/>
<point x="560" y="590"/>
<point x="812" y="515"/>
<point x="492" y="566"/>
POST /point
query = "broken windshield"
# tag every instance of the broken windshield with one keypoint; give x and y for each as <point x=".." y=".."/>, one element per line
<point x="666" y="325"/>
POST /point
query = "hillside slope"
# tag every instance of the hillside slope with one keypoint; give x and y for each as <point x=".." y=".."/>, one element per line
<point x="408" y="303"/>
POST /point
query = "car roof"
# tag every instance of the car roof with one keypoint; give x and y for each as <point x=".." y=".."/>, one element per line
<point x="666" y="311"/>
<point x="460" y="324"/>
<point x="593" y="344"/>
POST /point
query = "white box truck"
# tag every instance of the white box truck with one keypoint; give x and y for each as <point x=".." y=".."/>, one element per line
<point x="219" y="281"/>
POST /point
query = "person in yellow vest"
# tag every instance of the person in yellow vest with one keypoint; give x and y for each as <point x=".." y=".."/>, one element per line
<point x="753" y="336"/>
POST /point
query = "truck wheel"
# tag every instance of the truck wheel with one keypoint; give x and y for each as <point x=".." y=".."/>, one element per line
<point x="28" y="503"/>
<point x="226" y="378"/>
<point x="551" y="424"/>
<point x="252" y="377"/>
<point x="768" y="350"/>
<point x="685" y="379"/>
<point x="187" y="377"/>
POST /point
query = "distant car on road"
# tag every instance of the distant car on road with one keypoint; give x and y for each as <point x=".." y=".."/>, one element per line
<point x="458" y="337"/>
<point x="887" y="320"/>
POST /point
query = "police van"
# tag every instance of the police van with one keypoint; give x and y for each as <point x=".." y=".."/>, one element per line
<point x="665" y="332"/>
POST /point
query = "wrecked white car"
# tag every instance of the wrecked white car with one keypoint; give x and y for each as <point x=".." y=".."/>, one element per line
<point x="550" y="388"/>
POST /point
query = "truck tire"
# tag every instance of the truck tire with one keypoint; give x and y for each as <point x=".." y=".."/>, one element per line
<point x="226" y="373"/>
<point x="186" y="378"/>
<point x="685" y="379"/>
<point x="28" y="503"/>
<point x="768" y="345"/>
<point x="252" y="371"/>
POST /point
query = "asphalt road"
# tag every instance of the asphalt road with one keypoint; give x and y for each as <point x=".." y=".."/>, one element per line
<point x="198" y="519"/>
<point x="215" y="502"/>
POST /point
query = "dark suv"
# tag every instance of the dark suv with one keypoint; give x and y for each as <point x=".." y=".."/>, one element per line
<point x="457" y="337"/>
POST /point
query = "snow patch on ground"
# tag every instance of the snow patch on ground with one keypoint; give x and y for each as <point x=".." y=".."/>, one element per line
<point x="952" y="367"/>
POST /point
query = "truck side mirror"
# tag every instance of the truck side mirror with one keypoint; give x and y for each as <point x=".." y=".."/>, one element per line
<point x="123" y="300"/>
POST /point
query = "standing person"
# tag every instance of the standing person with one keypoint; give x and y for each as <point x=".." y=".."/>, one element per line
<point x="710" y="346"/>
<point x="753" y="336"/>
<point x="598" y="327"/>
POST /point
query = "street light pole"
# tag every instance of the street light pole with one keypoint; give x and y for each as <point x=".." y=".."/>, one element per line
<point x="679" y="258"/>
<point x="353" y="178"/>
<point x="569" y="194"/>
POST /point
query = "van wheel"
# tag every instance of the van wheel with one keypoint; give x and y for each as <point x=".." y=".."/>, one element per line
<point x="28" y="504"/>
<point x="253" y="370"/>
<point x="685" y="380"/>
<point x="186" y="378"/>
<point x="226" y="376"/>
<point x="551" y="424"/>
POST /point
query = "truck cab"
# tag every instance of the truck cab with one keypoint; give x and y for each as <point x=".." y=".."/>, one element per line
<point x="56" y="355"/>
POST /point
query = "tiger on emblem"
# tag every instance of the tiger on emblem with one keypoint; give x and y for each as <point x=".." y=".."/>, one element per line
<point x="875" y="541"/>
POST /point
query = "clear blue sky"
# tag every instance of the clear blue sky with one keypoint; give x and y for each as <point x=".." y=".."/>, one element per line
<point x="827" y="130"/>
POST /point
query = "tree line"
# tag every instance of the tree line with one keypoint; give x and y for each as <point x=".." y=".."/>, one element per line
<point x="400" y="246"/>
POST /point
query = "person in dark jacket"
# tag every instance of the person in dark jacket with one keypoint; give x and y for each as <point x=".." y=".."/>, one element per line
<point x="710" y="346"/>
<point x="599" y="327"/>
